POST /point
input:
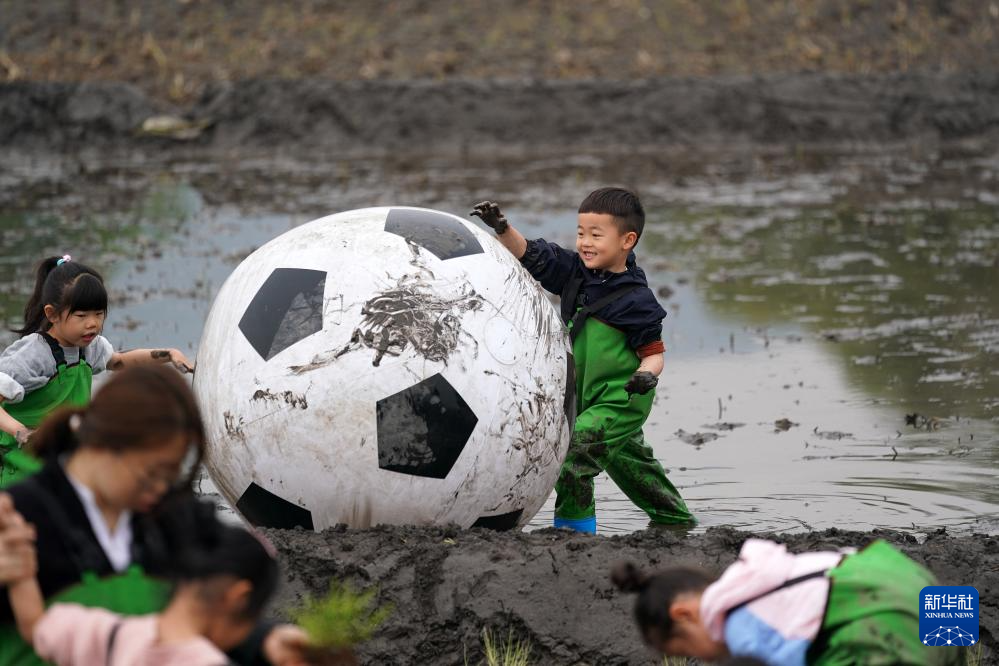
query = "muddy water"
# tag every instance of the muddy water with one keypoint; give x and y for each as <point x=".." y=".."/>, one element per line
<point x="832" y="356"/>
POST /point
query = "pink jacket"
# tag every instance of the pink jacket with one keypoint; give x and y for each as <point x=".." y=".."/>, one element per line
<point x="71" y="635"/>
<point x="794" y="612"/>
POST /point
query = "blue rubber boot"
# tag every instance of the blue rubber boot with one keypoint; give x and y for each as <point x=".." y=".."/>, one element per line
<point x="586" y="525"/>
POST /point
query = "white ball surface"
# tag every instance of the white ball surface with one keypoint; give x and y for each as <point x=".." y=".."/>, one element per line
<point x="385" y="365"/>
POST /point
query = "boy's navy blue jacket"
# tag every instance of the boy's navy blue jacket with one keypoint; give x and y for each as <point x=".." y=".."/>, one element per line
<point x="637" y="312"/>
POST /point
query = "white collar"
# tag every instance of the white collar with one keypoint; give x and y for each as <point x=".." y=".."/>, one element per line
<point x="117" y="545"/>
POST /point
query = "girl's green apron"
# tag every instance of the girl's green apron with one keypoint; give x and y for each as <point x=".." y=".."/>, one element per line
<point x="872" y="615"/>
<point x="71" y="386"/>
<point x="607" y="435"/>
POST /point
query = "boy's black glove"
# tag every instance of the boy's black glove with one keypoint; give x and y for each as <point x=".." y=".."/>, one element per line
<point x="490" y="213"/>
<point x="641" y="383"/>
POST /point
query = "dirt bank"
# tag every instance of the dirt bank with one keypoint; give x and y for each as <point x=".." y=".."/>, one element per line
<point x="173" y="50"/>
<point x="551" y="587"/>
<point x="461" y="116"/>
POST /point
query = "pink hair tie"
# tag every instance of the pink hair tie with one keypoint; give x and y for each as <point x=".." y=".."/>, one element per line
<point x="64" y="259"/>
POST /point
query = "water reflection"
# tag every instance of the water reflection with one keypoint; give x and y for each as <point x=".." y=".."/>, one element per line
<point x="843" y="463"/>
<point x="904" y="297"/>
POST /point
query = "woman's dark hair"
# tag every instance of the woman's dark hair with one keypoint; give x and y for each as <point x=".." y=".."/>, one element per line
<point x="193" y="545"/>
<point x="657" y="592"/>
<point x="138" y="408"/>
<point x="623" y="205"/>
<point x="69" y="286"/>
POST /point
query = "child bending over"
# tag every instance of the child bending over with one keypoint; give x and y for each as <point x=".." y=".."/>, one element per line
<point x="821" y="608"/>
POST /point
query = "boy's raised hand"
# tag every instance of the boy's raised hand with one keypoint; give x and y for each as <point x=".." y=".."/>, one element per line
<point x="490" y="213"/>
<point x="641" y="383"/>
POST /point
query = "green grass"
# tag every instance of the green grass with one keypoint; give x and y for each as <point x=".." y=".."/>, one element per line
<point x="675" y="661"/>
<point x="974" y="656"/>
<point x="511" y="652"/>
<point x="341" y="619"/>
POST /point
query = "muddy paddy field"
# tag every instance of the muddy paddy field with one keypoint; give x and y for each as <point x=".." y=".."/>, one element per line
<point x="832" y="337"/>
<point x="823" y="229"/>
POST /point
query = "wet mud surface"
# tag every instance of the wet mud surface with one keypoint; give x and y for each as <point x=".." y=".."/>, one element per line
<point x="466" y="116"/>
<point x="551" y="587"/>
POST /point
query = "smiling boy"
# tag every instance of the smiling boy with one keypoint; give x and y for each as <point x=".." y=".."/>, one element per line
<point x="615" y="323"/>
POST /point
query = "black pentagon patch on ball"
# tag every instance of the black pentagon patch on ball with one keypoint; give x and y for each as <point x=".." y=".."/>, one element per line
<point x="262" y="508"/>
<point x="286" y="309"/>
<point x="423" y="429"/>
<point x="500" y="523"/>
<point x="435" y="232"/>
<point x="569" y="403"/>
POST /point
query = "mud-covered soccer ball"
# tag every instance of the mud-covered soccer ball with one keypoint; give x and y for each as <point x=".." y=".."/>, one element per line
<point x="385" y="365"/>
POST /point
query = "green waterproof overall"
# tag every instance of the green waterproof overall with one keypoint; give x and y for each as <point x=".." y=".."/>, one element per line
<point x="872" y="615"/>
<point x="608" y="436"/>
<point x="69" y="387"/>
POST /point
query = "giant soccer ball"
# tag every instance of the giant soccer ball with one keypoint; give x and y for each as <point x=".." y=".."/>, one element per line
<point x="385" y="365"/>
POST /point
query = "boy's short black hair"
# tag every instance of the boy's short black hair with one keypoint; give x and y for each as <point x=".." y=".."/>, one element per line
<point x="621" y="203"/>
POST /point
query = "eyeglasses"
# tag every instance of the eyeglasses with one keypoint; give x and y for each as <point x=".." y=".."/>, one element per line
<point x="151" y="478"/>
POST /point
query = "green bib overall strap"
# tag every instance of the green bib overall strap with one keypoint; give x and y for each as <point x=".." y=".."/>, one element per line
<point x="575" y="320"/>
<point x="110" y="647"/>
<point x="821" y="573"/>
<point x="71" y="386"/>
<point x="131" y="592"/>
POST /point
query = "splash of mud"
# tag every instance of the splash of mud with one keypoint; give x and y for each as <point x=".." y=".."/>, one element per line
<point x="288" y="397"/>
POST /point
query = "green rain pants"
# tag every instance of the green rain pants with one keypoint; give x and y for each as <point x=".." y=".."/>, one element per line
<point x="129" y="593"/>
<point x="872" y="615"/>
<point x="69" y="387"/>
<point x="608" y="436"/>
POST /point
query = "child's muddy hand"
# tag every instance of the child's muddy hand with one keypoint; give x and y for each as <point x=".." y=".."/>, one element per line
<point x="641" y="383"/>
<point x="288" y="645"/>
<point x="23" y="436"/>
<point x="180" y="362"/>
<point x="490" y="213"/>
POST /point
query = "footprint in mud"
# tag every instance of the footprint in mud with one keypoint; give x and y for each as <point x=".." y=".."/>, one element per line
<point x="696" y="438"/>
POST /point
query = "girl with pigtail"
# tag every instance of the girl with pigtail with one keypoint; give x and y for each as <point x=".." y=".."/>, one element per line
<point x="114" y="520"/>
<point x="59" y="350"/>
